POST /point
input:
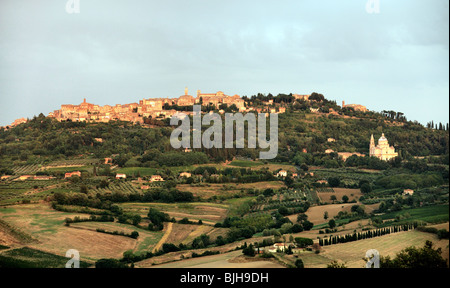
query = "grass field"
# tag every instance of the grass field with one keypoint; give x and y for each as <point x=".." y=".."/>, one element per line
<point x="145" y="242"/>
<point x="15" y="191"/>
<point x="315" y="213"/>
<point x="206" y="191"/>
<point x="227" y="260"/>
<point x="254" y="165"/>
<point x="430" y="214"/>
<point x="70" y="169"/>
<point x="352" y="194"/>
<point x="245" y="163"/>
<point x="32" y="258"/>
<point x="73" y="162"/>
<point x="46" y="226"/>
<point x="353" y="252"/>
<point x="142" y="171"/>
<point x="209" y="213"/>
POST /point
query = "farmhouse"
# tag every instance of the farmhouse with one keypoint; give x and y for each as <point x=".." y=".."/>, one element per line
<point x="70" y="174"/>
<point x="44" y="177"/>
<point x="277" y="247"/>
<point x="108" y="161"/>
<point x="25" y="177"/>
<point x="121" y="176"/>
<point x="329" y="151"/>
<point x="156" y="178"/>
<point x="301" y="97"/>
<point x="408" y="192"/>
<point x="282" y="173"/>
<point x="185" y="174"/>
<point x="356" y="107"/>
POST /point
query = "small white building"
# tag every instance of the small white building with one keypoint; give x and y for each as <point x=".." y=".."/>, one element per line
<point x="121" y="176"/>
<point x="185" y="174"/>
<point x="282" y="173"/>
<point x="156" y="178"/>
<point x="277" y="247"/>
<point x="409" y="192"/>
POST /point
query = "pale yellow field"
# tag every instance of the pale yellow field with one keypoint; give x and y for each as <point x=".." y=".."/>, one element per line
<point x="353" y="252"/>
<point x="352" y="194"/>
<point x="47" y="227"/>
<point x="315" y="213"/>
<point x="226" y="260"/>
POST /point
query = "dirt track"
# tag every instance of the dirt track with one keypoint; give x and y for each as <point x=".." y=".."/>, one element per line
<point x="164" y="238"/>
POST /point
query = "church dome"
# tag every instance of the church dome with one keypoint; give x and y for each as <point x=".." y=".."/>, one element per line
<point x="382" y="138"/>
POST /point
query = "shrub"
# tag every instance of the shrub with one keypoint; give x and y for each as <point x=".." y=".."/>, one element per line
<point x="442" y="234"/>
<point x="303" y="242"/>
<point x="249" y="251"/>
<point x="299" y="263"/>
<point x="110" y="263"/>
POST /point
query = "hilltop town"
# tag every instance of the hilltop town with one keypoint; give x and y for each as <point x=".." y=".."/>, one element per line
<point x="162" y="108"/>
<point x="155" y="108"/>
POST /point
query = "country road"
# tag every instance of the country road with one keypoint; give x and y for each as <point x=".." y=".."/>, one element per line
<point x="164" y="238"/>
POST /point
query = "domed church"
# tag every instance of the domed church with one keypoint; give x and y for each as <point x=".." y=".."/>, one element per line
<point x="382" y="151"/>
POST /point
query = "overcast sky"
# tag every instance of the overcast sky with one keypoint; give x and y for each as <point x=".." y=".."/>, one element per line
<point x="118" y="52"/>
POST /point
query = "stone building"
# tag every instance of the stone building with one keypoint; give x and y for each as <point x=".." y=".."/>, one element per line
<point x="382" y="151"/>
<point x="356" y="107"/>
<point x="135" y="112"/>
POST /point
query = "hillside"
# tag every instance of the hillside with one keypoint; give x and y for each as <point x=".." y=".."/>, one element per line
<point x="123" y="185"/>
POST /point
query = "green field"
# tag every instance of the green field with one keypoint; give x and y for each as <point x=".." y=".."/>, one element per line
<point x="207" y="212"/>
<point x="430" y="214"/>
<point x="245" y="163"/>
<point x="70" y="169"/>
<point x="31" y="258"/>
<point x="142" y="171"/>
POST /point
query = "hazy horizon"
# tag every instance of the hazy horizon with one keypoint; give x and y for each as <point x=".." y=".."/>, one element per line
<point x="121" y="52"/>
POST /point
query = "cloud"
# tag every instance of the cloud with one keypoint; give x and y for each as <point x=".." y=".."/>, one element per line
<point x="122" y="51"/>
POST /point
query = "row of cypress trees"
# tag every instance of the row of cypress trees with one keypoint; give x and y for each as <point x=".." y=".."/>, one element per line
<point x="365" y="235"/>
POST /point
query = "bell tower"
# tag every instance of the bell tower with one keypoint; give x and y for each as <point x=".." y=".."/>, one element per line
<point x="372" y="146"/>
